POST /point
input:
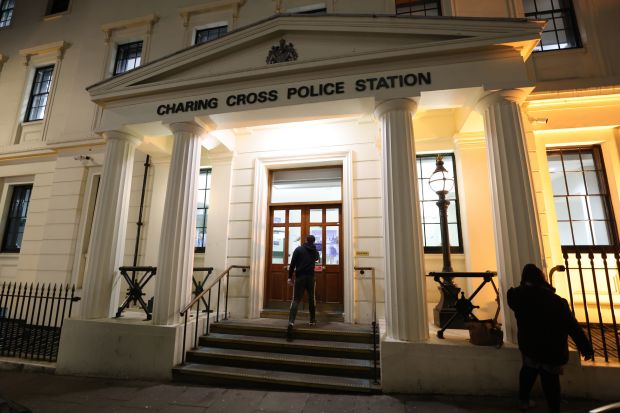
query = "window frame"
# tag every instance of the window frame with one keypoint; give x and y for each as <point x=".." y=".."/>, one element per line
<point x="117" y="58"/>
<point x="571" y="16"/>
<point x="4" y="11"/>
<point x="199" y="30"/>
<point x="208" y="172"/>
<point x="456" y="202"/>
<point x="8" y="220"/>
<point x="597" y="155"/>
<point x="424" y="11"/>
<point x="32" y="94"/>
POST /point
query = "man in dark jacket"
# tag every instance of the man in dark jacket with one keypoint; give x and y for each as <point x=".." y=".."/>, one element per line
<point x="302" y="263"/>
<point x="544" y="321"/>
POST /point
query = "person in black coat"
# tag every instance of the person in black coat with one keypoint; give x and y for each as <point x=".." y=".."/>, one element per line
<point x="544" y="322"/>
<point x="302" y="264"/>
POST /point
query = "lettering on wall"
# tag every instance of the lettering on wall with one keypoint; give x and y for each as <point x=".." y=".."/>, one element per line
<point x="369" y="84"/>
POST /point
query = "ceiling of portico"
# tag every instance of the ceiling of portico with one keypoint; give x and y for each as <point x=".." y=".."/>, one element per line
<point x="335" y="43"/>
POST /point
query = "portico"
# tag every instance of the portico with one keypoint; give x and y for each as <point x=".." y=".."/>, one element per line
<point x="364" y="107"/>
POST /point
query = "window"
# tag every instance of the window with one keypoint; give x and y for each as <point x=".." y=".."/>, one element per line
<point x="561" y="30"/>
<point x="6" y="12"/>
<point x="211" y="33"/>
<point x="581" y="197"/>
<point x="57" y="6"/>
<point x="127" y="57"/>
<point x="39" y="93"/>
<point x="430" y="211"/>
<point x="204" y="189"/>
<point x="418" y="7"/>
<point x="321" y="10"/>
<point x="16" y="219"/>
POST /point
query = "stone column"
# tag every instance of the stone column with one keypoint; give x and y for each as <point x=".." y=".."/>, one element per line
<point x="517" y="240"/>
<point x="405" y="288"/>
<point x="178" y="230"/>
<point x="107" y="242"/>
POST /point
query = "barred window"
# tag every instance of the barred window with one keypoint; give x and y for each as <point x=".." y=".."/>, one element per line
<point x="212" y="33"/>
<point x="6" y="12"/>
<point x="204" y="189"/>
<point x="418" y="7"/>
<point x="39" y="93"/>
<point x="561" y="31"/>
<point x="16" y="218"/>
<point x="430" y="211"/>
<point x="128" y="56"/>
<point x="581" y="197"/>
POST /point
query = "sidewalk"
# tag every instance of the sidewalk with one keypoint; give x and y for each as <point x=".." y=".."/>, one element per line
<point x="50" y="393"/>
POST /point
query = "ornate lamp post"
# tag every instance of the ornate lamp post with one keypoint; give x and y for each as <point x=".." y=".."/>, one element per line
<point x="442" y="182"/>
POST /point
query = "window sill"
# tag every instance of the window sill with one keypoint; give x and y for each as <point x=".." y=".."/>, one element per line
<point x="33" y="122"/>
<point x="55" y="16"/>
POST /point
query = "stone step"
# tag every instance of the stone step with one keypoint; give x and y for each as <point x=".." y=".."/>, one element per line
<point x="238" y="376"/>
<point x="298" y="346"/>
<point x="323" y="331"/>
<point x="330" y="366"/>
<point x="282" y="314"/>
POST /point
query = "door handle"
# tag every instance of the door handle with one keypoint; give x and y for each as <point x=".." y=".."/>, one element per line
<point x="323" y="268"/>
<point x="285" y="268"/>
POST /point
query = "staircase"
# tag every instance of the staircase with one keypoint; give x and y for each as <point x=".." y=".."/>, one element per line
<point x="334" y="357"/>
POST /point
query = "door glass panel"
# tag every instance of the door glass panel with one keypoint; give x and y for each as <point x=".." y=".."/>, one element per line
<point x="331" y="215"/>
<point x="307" y="185"/>
<point x="318" y="234"/>
<point x="277" y="254"/>
<point x="332" y="247"/>
<point x="316" y="215"/>
<point x="279" y="216"/>
<point x="294" y="216"/>
<point x="294" y="241"/>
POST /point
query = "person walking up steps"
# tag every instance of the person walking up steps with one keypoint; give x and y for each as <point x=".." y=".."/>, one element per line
<point x="302" y="264"/>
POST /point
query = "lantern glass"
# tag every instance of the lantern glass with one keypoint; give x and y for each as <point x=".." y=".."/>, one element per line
<point x="441" y="181"/>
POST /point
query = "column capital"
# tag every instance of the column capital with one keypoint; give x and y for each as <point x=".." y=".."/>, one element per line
<point x="517" y="96"/>
<point x="187" y="127"/>
<point x="395" y="104"/>
<point x="120" y="135"/>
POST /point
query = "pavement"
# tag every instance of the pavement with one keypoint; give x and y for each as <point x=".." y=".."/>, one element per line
<point x="44" y="392"/>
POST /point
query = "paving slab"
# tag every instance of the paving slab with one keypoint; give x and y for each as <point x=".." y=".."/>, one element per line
<point x="43" y="393"/>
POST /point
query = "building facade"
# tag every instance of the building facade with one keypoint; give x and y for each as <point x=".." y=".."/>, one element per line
<point x="260" y="121"/>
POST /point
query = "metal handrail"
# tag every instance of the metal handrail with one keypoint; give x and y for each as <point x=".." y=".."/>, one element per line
<point x="374" y="319"/>
<point x="200" y="297"/>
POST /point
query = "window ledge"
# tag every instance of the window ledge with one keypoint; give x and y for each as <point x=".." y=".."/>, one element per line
<point x="55" y="16"/>
<point x="577" y="51"/>
<point x="56" y="48"/>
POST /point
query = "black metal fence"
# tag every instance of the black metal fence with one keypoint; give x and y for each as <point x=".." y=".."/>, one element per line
<point x="591" y="284"/>
<point x="31" y="317"/>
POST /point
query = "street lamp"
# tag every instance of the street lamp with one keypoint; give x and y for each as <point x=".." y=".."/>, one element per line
<point x="442" y="182"/>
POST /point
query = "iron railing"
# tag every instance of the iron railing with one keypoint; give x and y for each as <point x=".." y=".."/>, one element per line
<point x="374" y="325"/>
<point x="591" y="283"/>
<point x="200" y="298"/>
<point x="31" y="318"/>
<point x="135" y="287"/>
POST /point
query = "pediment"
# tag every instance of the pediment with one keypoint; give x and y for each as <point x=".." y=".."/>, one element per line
<point x="321" y="43"/>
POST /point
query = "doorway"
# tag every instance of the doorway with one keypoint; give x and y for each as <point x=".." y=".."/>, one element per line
<point x="303" y="202"/>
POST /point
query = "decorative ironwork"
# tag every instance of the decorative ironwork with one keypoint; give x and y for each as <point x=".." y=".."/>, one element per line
<point x="199" y="285"/>
<point x="463" y="306"/>
<point x="136" y="285"/>
<point x="31" y="319"/>
<point x="283" y="52"/>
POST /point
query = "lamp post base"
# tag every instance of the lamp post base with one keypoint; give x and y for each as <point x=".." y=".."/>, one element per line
<point x="445" y="309"/>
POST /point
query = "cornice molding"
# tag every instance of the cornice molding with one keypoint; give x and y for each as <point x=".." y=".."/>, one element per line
<point x="148" y="21"/>
<point x="187" y="12"/>
<point x="56" y="48"/>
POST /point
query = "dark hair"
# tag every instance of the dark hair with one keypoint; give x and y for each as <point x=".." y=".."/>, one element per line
<point x="310" y="239"/>
<point x="535" y="277"/>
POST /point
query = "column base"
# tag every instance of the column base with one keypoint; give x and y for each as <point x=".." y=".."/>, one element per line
<point x="121" y="348"/>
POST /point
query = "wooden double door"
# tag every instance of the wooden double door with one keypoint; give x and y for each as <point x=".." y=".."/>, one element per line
<point x="289" y="226"/>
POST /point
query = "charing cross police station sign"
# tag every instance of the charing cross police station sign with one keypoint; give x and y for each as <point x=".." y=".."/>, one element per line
<point x="299" y="92"/>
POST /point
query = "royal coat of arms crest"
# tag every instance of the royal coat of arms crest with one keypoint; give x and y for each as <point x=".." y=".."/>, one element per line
<point x="282" y="53"/>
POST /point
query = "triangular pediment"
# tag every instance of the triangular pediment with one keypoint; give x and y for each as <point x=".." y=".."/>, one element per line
<point x="321" y="43"/>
